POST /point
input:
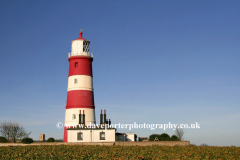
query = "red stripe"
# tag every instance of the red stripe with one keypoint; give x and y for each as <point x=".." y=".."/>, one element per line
<point x="65" y="135"/>
<point x="84" y="65"/>
<point x="80" y="99"/>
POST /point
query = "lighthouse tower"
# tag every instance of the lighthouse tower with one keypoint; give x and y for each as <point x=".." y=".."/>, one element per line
<point x="80" y="107"/>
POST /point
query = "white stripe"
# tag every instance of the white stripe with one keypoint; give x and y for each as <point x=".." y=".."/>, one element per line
<point x="89" y="116"/>
<point x="84" y="82"/>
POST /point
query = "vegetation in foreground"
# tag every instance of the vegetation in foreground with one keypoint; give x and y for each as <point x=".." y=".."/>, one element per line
<point x="118" y="152"/>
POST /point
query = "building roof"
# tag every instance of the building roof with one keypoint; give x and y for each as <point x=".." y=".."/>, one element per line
<point x="80" y="37"/>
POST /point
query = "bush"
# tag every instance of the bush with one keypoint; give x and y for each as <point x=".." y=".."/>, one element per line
<point x="3" y="140"/>
<point x="164" y="137"/>
<point x="27" y="140"/>
<point x="153" y="136"/>
<point x="174" y="138"/>
<point x="51" y="140"/>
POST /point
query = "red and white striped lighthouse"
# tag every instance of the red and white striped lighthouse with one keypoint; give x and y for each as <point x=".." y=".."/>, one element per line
<point x="80" y="99"/>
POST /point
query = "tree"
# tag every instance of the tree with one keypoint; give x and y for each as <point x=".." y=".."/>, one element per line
<point x="11" y="131"/>
<point x="174" y="138"/>
<point x="153" y="136"/>
<point x="164" y="137"/>
<point x="179" y="133"/>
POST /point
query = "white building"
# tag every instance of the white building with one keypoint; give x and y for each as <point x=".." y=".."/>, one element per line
<point x="126" y="137"/>
<point x="96" y="134"/>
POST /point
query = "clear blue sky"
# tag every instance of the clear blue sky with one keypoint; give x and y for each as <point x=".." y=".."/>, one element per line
<point x="154" y="62"/>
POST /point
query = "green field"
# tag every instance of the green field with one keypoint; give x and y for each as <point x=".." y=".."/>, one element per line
<point x="117" y="152"/>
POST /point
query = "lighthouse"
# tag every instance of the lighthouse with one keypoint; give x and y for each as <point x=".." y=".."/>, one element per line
<point x="80" y="124"/>
<point x="80" y="107"/>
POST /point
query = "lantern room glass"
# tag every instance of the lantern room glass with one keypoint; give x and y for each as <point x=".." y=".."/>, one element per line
<point x="86" y="46"/>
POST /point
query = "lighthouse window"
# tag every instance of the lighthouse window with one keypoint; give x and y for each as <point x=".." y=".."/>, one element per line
<point x="74" y="116"/>
<point x="79" y="136"/>
<point x="102" y="135"/>
<point x="76" y="64"/>
<point x="86" y="46"/>
<point x="75" y="81"/>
